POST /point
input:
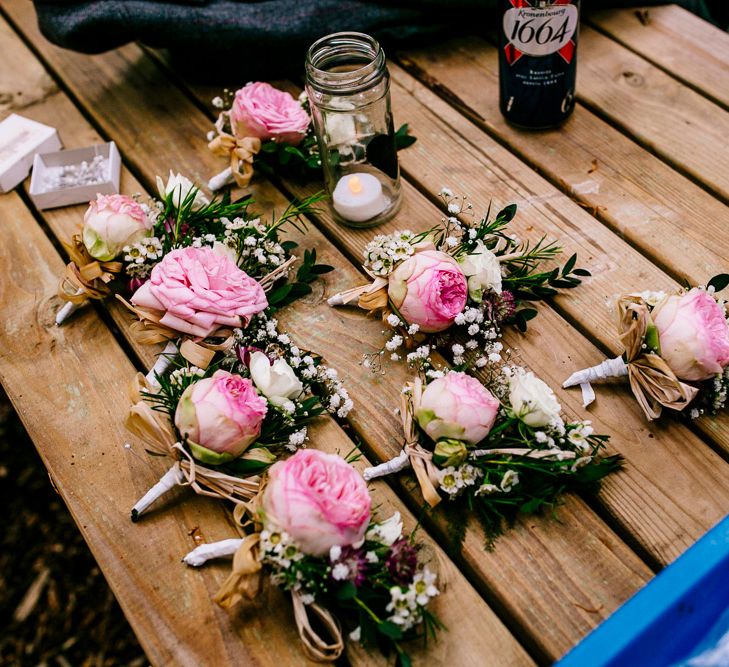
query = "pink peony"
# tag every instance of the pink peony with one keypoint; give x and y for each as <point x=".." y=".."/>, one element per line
<point x="260" y="110"/>
<point x="112" y="222"/>
<point x="220" y="416"/>
<point x="429" y="289"/>
<point x="319" y="500"/>
<point x="200" y="291"/>
<point x="693" y="334"/>
<point x="457" y="406"/>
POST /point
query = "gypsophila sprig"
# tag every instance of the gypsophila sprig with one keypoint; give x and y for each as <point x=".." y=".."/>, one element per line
<point x="319" y="541"/>
<point x="676" y="351"/>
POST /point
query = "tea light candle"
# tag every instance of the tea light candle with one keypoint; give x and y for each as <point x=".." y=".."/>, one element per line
<point x="358" y="197"/>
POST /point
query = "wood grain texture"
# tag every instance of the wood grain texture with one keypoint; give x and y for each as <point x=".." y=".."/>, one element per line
<point x="609" y="572"/>
<point x="679" y="42"/>
<point x="640" y="198"/>
<point x="677" y="123"/>
<point x="482" y="634"/>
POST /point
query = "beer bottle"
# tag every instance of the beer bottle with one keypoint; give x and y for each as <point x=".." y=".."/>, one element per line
<point x="538" y="61"/>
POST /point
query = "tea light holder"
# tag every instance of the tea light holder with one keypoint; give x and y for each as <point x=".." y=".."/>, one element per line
<point x="348" y="86"/>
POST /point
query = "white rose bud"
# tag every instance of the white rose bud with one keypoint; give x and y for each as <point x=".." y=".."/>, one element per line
<point x="180" y="186"/>
<point x="483" y="270"/>
<point x="276" y="381"/>
<point x="112" y="222"/>
<point x="532" y="400"/>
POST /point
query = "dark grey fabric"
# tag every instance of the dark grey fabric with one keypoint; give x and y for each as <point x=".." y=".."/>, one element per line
<point x="264" y="38"/>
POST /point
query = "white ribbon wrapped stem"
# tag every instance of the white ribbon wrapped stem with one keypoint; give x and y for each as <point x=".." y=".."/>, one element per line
<point x="610" y="368"/>
<point x="559" y="454"/>
<point x="205" y="552"/>
<point x="220" y="180"/>
<point x="400" y="462"/>
<point x="162" y="364"/>
<point x="169" y="480"/>
<point x="68" y="309"/>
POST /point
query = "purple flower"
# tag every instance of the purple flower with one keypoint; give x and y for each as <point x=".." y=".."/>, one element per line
<point x="134" y="284"/>
<point x="244" y="353"/>
<point x="501" y="306"/>
<point x="350" y="565"/>
<point x="402" y="561"/>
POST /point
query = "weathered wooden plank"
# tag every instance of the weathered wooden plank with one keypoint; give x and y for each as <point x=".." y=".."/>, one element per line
<point x="597" y="563"/>
<point x="680" y="125"/>
<point x="679" y="42"/>
<point x="634" y="193"/>
<point x="486" y="634"/>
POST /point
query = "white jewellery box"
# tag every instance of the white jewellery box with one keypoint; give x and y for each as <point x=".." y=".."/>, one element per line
<point x="64" y="178"/>
<point x="20" y="139"/>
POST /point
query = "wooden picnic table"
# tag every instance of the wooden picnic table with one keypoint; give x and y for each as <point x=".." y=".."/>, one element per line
<point x="636" y="183"/>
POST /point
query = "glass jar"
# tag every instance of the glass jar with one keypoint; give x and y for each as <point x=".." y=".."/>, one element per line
<point x="349" y="95"/>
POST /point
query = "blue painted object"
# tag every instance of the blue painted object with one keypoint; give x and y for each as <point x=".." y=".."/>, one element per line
<point x="667" y="620"/>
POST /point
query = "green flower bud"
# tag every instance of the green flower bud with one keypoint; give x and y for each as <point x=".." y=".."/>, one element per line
<point x="449" y="453"/>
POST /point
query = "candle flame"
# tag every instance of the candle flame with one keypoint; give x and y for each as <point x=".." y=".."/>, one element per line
<point x="354" y="185"/>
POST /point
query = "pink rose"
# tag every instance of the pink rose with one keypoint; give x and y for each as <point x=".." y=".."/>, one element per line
<point x="429" y="289"/>
<point x="457" y="406"/>
<point x="693" y="334"/>
<point x="200" y="291"/>
<point x="260" y="110"/>
<point x="220" y="416"/>
<point x="112" y="222"/>
<point x="319" y="500"/>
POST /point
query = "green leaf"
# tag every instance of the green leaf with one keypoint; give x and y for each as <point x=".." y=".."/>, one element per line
<point x="269" y="146"/>
<point x="403" y="138"/>
<point x="719" y="282"/>
<point x="319" y="269"/>
<point x="507" y="213"/>
<point x="347" y="591"/>
<point x="581" y="272"/>
<point x="390" y="629"/>
<point x="279" y="294"/>
<point x="403" y="660"/>
<point x="569" y="265"/>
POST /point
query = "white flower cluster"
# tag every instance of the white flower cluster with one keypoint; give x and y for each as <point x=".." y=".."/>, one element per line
<point x="249" y="238"/>
<point x="179" y="375"/>
<point x="142" y="256"/>
<point x="483" y="336"/>
<point x="384" y="251"/>
<point x="406" y="604"/>
<point x="509" y="480"/>
<point x="278" y="548"/>
<point x="454" y="480"/>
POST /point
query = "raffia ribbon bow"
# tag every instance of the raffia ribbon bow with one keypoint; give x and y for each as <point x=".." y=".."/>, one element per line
<point x="420" y="459"/>
<point x="85" y="277"/>
<point x="246" y="582"/>
<point x="653" y="383"/>
<point x="240" y="151"/>
<point x="147" y="330"/>
<point x="159" y="438"/>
